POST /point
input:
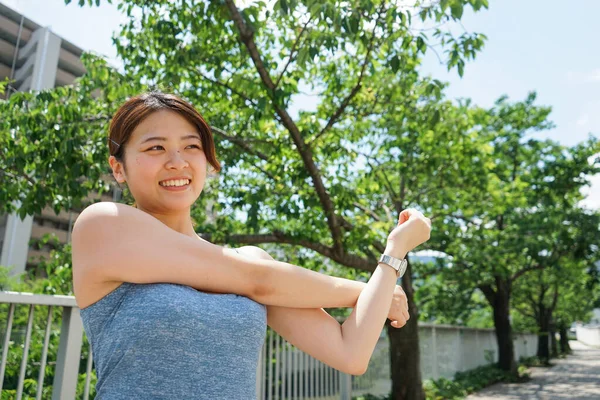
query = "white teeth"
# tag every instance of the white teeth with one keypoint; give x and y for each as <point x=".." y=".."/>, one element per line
<point x="178" y="182"/>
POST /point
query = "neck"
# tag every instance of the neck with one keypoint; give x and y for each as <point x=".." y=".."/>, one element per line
<point x="178" y="221"/>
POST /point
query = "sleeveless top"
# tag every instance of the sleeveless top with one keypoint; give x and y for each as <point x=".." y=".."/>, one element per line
<point x="170" y="341"/>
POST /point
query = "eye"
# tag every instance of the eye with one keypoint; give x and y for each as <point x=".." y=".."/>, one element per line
<point x="159" y="147"/>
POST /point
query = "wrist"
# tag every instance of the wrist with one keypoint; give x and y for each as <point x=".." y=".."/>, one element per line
<point x="395" y="250"/>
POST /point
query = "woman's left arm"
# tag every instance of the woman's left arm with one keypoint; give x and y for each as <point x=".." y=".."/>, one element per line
<point x="320" y="335"/>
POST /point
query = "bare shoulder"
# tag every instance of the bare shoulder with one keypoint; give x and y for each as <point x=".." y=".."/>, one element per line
<point x="91" y="236"/>
<point x="101" y="221"/>
<point x="100" y="211"/>
<point x="89" y="227"/>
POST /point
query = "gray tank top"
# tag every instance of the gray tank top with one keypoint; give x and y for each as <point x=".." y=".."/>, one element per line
<point x="169" y="341"/>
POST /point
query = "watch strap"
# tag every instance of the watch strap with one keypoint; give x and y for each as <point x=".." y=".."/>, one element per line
<point x="398" y="264"/>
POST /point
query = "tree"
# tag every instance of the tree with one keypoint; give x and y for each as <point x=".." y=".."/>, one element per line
<point x="54" y="143"/>
<point x="564" y="277"/>
<point x="497" y="240"/>
<point x="576" y="304"/>
<point x="561" y="293"/>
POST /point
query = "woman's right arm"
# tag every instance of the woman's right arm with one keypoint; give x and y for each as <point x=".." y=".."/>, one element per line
<point x="114" y="242"/>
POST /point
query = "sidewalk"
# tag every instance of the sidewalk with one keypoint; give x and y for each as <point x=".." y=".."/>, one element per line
<point x="574" y="377"/>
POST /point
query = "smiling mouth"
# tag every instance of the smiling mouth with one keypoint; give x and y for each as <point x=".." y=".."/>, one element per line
<point x="176" y="183"/>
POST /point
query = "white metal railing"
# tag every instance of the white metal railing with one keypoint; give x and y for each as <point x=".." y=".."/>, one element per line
<point x="291" y="374"/>
<point x="69" y="349"/>
<point x="283" y="371"/>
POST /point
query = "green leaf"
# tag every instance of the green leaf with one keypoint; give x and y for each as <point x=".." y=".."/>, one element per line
<point x="456" y="9"/>
<point x="283" y="4"/>
<point x="395" y="63"/>
<point x="421" y="44"/>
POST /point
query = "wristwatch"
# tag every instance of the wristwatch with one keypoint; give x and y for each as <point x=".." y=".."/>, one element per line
<point x="398" y="264"/>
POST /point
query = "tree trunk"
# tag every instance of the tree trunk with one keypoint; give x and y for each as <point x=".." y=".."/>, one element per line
<point x="501" y="306"/>
<point x="543" y="344"/>
<point x="564" y="340"/>
<point x="404" y="351"/>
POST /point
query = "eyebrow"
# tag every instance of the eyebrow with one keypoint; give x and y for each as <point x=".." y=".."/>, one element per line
<point x="164" y="139"/>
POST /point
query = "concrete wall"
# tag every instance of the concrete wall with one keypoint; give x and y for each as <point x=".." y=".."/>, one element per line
<point x="589" y="335"/>
<point x="445" y="350"/>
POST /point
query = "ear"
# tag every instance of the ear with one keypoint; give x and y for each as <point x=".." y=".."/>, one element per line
<point x="118" y="170"/>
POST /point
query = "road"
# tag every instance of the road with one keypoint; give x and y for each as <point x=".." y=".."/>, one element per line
<point x="574" y="377"/>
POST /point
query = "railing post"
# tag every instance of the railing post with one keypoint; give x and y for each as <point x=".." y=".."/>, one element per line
<point x="461" y="353"/>
<point x="69" y="354"/>
<point x="345" y="386"/>
<point x="436" y="374"/>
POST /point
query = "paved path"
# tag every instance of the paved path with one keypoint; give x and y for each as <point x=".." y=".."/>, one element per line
<point x="574" y="377"/>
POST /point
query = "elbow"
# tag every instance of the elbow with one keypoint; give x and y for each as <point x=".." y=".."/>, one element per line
<point x="356" y="367"/>
<point x="259" y="282"/>
<point x="358" y="371"/>
<point x="260" y="289"/>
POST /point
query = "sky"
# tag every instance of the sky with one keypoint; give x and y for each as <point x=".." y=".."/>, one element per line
<point x="546" y="46"/>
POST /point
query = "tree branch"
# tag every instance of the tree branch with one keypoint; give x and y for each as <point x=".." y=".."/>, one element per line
<point x="387" y="182"/>
<point x="366" y="210"/>
<point x="292" y="51"/>
<point x="543" y="290"/>
<point x="239" y="142"/>
<point x="22" y="175"/>
<point x="401" y="199"/>
<point x="489" y="293"/>
<point x="246" y="36"/>
<point x="242" y="143"/>
<point x="336" y="115"/>
<point x="228" y="87"/>
<point x="388" y="212"/>
<point x="555" y="297"/>
<point x="526" y="270"/>
<point x="525" y="313"/>
<point x="534" y="308"/>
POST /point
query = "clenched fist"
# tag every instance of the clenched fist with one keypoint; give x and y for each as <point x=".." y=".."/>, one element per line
<point x="412" y="230"/>
<point x="398" y="313"/>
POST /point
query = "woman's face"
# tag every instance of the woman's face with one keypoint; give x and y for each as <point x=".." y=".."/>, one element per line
<point x="162" y="148"/>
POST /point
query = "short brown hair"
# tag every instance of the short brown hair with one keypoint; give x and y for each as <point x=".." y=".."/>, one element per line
<point x="138" y="108"/>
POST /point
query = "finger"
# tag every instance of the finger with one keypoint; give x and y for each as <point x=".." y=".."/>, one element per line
<point x="400" y="323"/>
<point x="405" y="314"/>
<point x="414" y="213"/>
<point x="404" y="216"/>
<point x="402" y="292"/>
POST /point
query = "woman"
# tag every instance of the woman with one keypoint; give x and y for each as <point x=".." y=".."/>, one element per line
<point x="172" y="316"/>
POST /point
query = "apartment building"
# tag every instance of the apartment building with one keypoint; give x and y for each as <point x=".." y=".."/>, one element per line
<point x="35" y="58"/>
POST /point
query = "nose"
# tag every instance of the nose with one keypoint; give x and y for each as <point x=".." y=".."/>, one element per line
<point x="176" y="160"/>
